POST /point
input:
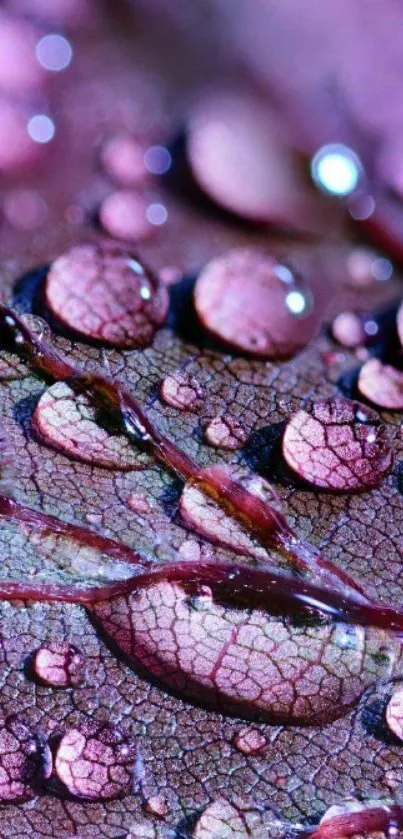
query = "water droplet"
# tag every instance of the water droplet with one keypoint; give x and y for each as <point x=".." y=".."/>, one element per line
<point x="226" y="432"/>
<point x="157" y="806"/>
<point x="182" y="391"/>
<point x="400" y="323"/>
<point x="250" y="741"/>
<point x="240" y="299"/>
<point x="337" y="444"/>
<point x="394" y="713"/>
<point x="220" y="819"/>
<point x="348" y="330"/>
<point x="123" y="214"/>
<point x="25" y="760"/>
<point x="59" y="664"/>
<point x="239" y="157"/>
<point x="140" y="504"/>
<point x="157" y="214"/>
<point x="122" y="157"/>
<point x="365" y="267"/>
<point x="67" y="421"/>
<point x="99" y="292"/>
<point x="381" y="384"/>
<point x="89" y="762"/>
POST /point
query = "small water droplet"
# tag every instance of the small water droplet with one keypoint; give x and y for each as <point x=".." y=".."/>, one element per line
<point x="226" y="432"/>
<point x="348" y="330"/>
<point x="381" y="384"/>
<point x="157" y="806"/>
<point x="59" y="664"/>
<point x="122" y="157"/>
<point x="250" y="741"/>
<point x="181" y="390"/>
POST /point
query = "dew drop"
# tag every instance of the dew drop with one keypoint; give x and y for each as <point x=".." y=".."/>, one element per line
<point x="59" y="664"/>
<point x="348" y="330"/>
<point x="225" y="432"/>
<point x="241" y="300"/>
<point x="250" y="741"/>
<point x="220" y="819"/>
<point x="25" y="760"/>
<point x="337" y="444"/>
<point x="140" y="504"/>
<point x="156" y="806"/>
<point x="105" y="293"/>
<point x="67" y="421"/>
<point x="381" y="384"/>
<point x="91" y="764"/>
<point x="122" y="157"/>
<point x="394" y="714"/>
<point x="24" y="209"/>
<point x="123" y="215"/>
<point x="182" y="391"/>
<point x="365" y="268"/>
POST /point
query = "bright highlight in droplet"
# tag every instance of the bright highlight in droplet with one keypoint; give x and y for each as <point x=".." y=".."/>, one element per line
<point x="157" y="214"/>
<point x="336" y="169"/>
<point x="41" y="128"/>
<point x="296" y="302"/>
<point x="54" y="52"/>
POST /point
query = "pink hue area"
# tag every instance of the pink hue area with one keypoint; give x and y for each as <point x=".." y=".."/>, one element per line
<point x="95" y="762"/>
<point x="348" y="330"/>
<point x="59" y="664"/>
<point x="182" y="391"/>
<point x="226" y="432"/>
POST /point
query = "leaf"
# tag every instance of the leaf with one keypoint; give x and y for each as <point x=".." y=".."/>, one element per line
<point x="183" y="752"/>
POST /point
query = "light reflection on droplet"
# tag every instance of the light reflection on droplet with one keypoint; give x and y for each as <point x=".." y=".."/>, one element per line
<point x="145" y="292"/>
<point x="284" y="274"/>
<point x="41" y="128"/>
<point x="337" y="169"/>
<point x="157" y="160"/>
<point x="54" y="52"/>
<point x="157" y="214"/>
<point x="296" y="302"/>
<point x="382" y="269"/>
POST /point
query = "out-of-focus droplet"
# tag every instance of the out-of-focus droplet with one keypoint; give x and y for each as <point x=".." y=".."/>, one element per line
<point x="54" y="52"/>
<point x="157" y="160"/>
<point x="16" y="148"/>
<point x="365" y="268"/>
<point x="243" y="299"/>
<point x="157" y="214"/>
<point x="41" y="128"/>
<point x="239" y="157"/>
<point x="20" y="73"/>
<point x="338" y="444"/>
<point x="182" y="391"/>
<point x="24" y="209"/>
<point x="381" y="384"/>
<point x="122" y="157"/>
<point x="123" y="214"/>
<point x="348" y="330"/>
<point x="59" y="664"/>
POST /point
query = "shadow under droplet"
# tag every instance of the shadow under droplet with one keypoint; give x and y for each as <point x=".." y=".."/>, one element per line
<point x="374" y="721"/>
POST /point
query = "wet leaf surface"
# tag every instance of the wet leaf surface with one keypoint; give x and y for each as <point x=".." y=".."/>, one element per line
<point x="184" y="752"/>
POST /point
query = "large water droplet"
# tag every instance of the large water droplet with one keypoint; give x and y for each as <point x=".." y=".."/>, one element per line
<point x="68" y="422"/>
<point x="338" y="444"/>
<point x="105" y="293"/>
<point x="95" y="762"/>
<point x="243" y="301"/>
